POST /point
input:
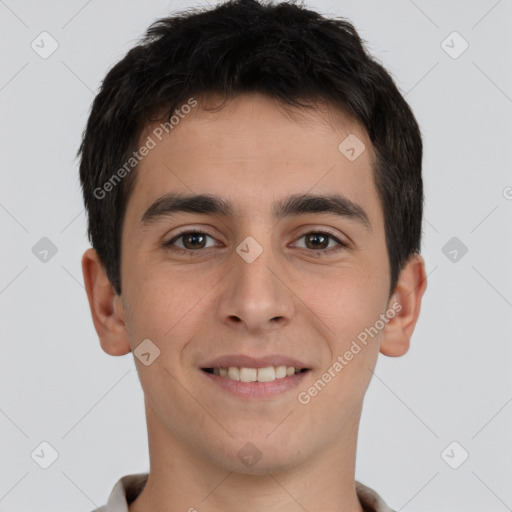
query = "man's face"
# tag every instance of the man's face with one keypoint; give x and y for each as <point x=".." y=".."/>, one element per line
<point x="305" y="296"/>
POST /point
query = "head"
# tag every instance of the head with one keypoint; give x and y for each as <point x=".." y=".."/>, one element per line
<point x="252" y="107"/>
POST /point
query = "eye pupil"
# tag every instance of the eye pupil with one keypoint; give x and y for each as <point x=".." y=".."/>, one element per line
<point x="315" y="237"/>
<point x="193" y="238"/>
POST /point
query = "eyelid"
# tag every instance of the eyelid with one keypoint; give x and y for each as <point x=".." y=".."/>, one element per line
<point x="327" y="231"/>
<point x="205" y="229"/>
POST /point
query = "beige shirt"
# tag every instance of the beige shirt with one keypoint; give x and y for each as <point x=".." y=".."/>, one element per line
<point x="129" y="487"/>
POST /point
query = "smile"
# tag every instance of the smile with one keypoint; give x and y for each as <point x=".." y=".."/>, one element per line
<point x="245" y="383"/>
<point x="267" y="374"/>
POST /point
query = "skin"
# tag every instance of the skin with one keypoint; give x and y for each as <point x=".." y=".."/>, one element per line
<point x="200" y="306"/>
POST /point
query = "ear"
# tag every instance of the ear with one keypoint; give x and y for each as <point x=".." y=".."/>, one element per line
<point x="405" y="303"/>
<point x="106" y="306"/>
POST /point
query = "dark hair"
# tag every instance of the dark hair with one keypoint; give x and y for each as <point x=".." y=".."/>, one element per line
<point x="284" y="51"/>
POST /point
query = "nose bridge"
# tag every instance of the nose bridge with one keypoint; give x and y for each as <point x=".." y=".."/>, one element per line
<point x="254" y="297"/>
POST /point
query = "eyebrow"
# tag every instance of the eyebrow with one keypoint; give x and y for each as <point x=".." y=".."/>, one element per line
<point x="297" y="204"/>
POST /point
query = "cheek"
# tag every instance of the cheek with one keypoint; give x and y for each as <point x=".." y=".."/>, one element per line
<point x="165" y="306"/>
<point x="346" y="302"/>
<point x="348" y="311"/>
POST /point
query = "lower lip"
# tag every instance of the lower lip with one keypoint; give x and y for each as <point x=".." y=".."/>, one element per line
<point x="257" y="390"/>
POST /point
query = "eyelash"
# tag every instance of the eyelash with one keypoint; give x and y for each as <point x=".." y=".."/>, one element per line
<point x="321" y="252"/>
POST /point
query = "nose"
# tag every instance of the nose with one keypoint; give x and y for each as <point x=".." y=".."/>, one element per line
<point x="255" y="297"/>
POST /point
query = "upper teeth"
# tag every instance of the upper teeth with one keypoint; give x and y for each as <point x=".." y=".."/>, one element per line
<point x="255" y="374"/>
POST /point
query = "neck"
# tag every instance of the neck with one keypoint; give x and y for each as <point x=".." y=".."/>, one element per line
<point x="181" y="479"/>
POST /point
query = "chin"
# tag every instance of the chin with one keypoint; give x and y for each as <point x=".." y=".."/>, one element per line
<point x="262" y="457"/>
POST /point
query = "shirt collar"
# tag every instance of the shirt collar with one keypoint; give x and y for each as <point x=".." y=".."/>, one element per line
<point x="129" y="487"/>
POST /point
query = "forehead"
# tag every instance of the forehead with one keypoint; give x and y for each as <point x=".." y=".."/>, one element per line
<point x="255" y="150"/>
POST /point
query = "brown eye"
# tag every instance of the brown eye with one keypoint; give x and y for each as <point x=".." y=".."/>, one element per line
<point x="190" y="241"/>
<point x="318" y="243"/>
<point x="193" y="240"/>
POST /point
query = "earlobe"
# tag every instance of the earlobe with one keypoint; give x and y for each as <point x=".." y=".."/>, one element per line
<point x="411" y="286"/>
<point x="106" y="306"/>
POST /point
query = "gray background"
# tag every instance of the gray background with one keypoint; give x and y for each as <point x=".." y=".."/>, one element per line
<point x="455" y="384"/>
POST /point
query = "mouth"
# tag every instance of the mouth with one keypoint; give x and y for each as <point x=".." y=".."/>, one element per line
<point x="255" y="378"/>
<point x="255" y="384"/>
<point x="246" y="374"/>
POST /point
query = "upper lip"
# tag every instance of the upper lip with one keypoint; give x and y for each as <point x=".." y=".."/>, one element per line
<point x="240" y="360"/>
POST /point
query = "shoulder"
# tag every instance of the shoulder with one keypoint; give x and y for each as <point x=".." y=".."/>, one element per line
<point x="370" y="500"/>
<point x="126" y="489"/>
